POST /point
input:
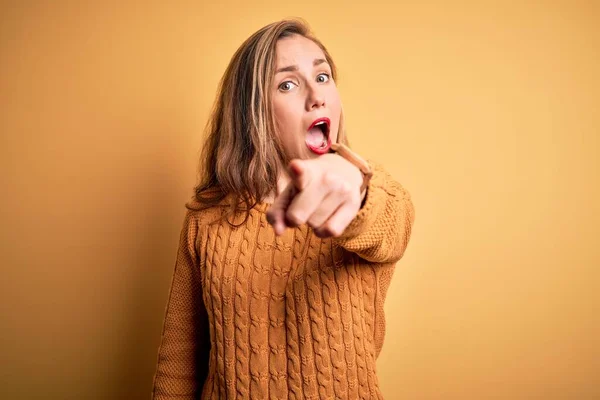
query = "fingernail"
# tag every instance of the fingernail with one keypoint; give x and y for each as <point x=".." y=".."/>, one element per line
<point x="281" y="229"/>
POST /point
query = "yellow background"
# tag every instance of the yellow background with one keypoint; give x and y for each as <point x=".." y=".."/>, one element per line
<point x="486" y="112"/>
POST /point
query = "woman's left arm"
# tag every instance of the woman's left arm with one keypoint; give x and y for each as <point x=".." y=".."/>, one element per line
<point x="381" y="230"/>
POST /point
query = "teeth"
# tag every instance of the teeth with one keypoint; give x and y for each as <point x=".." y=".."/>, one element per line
<point x="320" y="123"/>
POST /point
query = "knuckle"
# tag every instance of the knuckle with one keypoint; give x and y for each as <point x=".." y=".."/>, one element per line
<point x="313" y="223"/>
<point x="294" y="218"/>
<point x="345" y="188"/>
<point x="331" y="231"/>
<point x="355" y="201"/>
<point x="336" y="231"/>
<point x="323" y="233"/>
<point x="330" y="180"/>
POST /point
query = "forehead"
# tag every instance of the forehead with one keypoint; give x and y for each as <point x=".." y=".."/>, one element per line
<point x="296" y="49"/>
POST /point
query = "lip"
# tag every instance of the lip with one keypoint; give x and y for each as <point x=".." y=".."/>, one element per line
<point x="321" y="150"/>
<point x="316" y="121"/>
<point x="325" y="149"/>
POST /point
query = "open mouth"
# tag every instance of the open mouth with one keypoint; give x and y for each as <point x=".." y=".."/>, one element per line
<point x="317" y="137"/>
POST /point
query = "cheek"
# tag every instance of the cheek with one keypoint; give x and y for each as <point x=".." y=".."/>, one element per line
<point x="335" y="105"/>
<point x="284" y="116"/>
<point x="288" y="117"/>
<point x="287" y="120"/>
<point x="334" y="100"/>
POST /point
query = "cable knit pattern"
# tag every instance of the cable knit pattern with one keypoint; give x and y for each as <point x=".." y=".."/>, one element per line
<point x="255" y="316"/>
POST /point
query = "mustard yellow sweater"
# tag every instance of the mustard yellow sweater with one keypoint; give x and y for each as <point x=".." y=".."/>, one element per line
<point x="255" y="316"/>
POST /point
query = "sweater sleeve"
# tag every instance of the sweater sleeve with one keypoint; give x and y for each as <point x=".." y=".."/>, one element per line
<point x="185" y="344"/>
<point x="381" y="230"/>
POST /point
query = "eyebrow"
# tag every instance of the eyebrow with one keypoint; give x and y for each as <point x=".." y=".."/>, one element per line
<point x="291" y="68"/>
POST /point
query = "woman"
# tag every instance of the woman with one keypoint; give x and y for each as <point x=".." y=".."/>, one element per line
<point x="290" y="242"/>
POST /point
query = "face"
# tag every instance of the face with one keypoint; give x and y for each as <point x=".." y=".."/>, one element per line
<point x="306" y="102"/>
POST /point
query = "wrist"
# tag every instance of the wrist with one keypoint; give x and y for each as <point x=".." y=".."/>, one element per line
<point x="358" y="162"/>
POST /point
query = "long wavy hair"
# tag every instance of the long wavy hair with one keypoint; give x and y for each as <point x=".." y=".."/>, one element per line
<point x="242" y="156"/>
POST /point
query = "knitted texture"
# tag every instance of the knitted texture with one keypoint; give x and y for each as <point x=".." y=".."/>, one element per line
<point x="255" y="316"/>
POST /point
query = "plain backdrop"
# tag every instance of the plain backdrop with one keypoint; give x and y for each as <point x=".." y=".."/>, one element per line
<point x="488" y="113"/>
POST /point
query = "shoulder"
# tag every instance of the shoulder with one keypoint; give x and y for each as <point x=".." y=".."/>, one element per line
<point x="201" y="215"/>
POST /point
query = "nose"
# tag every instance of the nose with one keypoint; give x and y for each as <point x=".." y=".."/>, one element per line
<point x="315" y="97"/>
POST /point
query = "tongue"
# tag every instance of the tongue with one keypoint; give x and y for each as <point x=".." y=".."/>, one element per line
<point x="315" y="138"/>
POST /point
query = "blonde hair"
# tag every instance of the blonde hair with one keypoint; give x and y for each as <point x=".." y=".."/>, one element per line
<point x="242" y="156"/>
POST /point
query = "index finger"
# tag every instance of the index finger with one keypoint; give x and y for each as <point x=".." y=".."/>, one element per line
<point x="276" y="212"/>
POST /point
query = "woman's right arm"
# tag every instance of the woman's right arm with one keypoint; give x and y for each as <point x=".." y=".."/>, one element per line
<point x="185" y="345"/>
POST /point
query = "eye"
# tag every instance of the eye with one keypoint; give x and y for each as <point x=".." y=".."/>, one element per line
<point x="287" y="86"/>
<point x="322" y="78"/>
